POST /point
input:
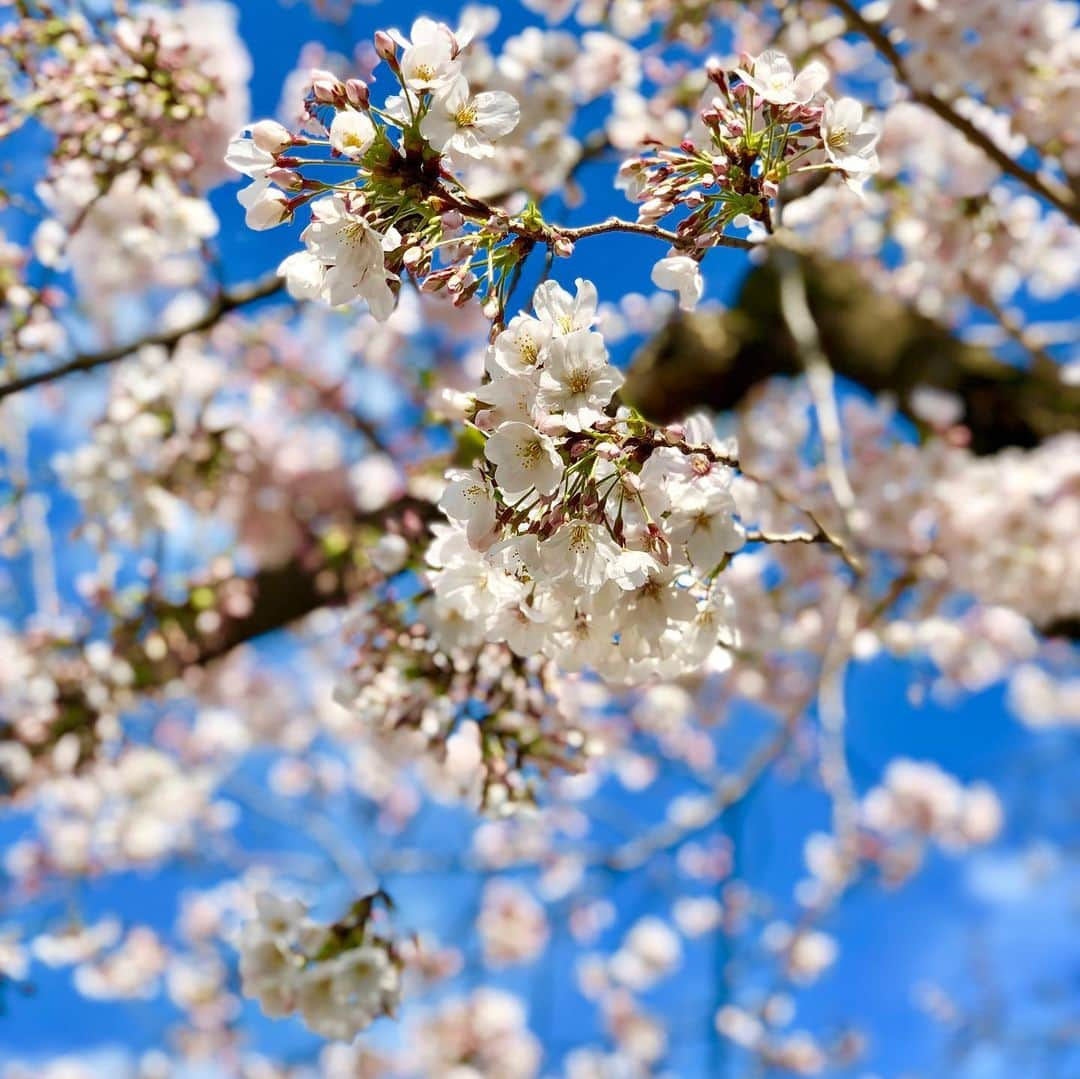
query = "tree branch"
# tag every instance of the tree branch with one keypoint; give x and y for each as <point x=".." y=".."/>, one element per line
<point x="615" y="224"/>
<point x="228" y="300"/>
<point x="1048" y="189"/>
<point x="166" y="639"/>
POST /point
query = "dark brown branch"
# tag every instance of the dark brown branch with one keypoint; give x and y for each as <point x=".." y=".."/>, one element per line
<point x="166" y="640"/>
<point x="714" y="360"/>
<point x="279" y="597"/>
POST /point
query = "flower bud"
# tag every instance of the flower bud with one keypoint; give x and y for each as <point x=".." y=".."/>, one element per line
<point x="385" y="48"/>
<point x="356" y="93"/>
<point x="286" y="179"/>
<point x="326" y="87"/>
<point x="390" y="554"/>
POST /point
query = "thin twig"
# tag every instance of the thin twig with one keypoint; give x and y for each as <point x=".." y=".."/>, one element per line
<point x="832" y="714"/>
<point x="615" y="224"/>
<point x="228" y="301"/>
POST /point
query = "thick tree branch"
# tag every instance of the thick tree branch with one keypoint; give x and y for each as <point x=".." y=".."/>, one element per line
<point x="166" y="639"/>
<point x="714" y="360"/>
<point x="325" y="575"/>
<point x="1045" y="187"/>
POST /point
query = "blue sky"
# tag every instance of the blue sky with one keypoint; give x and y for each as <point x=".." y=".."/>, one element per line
<point x="955" y="923"/>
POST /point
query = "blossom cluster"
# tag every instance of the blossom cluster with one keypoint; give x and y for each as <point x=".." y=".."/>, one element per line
<point x="409" y="690"/>
<point x="115" y="814"/>
<point x="354" y="248"/>
<point x="428" y="186"/>
<point x="141" y="107"/>
<point x="921" y="799"/>
<point x="340" y="977"/>
<point x="927" y="171"/>
<point x="29" y="321"/>
<point x="416" y="205"/>
<point x="1030" y="48"/>
<point x="759" y="124"/>
<point x="156" y="91"/>
<point x="584" y="534"/>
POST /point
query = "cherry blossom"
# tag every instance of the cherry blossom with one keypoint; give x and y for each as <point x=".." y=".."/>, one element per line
<point x="467" y="125"/>
<point x="440" y="635"/>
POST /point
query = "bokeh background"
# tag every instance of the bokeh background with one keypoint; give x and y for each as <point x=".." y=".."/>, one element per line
<point x="997" y="932"/>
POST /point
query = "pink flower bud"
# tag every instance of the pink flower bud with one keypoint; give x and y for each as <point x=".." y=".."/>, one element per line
<point x="564" y="247"/>
<point x="286" y="179"/>
<point x="385" y="48"/>
<point x="547" y="424"/>
<point x="326" y="87"/>
<point x="436" y="281"/>
<point x="356" y="93"/>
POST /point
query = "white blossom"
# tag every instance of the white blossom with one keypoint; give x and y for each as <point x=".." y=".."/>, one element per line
<point x="773" y="78"/>
<point x="524" y="458"/>
<point x="354" y="254"/>
<point x="352" y="133"/>
<point x="577" y="381"/>
<point x="850" y="140"/>
<point x="464" y="125"/>
<point x="681" y="274"/>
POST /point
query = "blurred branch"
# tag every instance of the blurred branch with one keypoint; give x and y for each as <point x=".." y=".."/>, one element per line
<point x="166" y="639"/>
<point x="228" y="300"/>
<point x="727" y="792"/>
<point x="832" y="714"/>
<point x="819" y="376"/>
<point x="1045" y="187"/>
<point x="716" y="359"/>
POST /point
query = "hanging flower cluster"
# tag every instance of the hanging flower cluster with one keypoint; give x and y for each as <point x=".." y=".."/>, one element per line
<point x="759" y="124"/>
<point x="426" y="687"/>
<point x="341" y="977"/>
<point x="584" y="534"/>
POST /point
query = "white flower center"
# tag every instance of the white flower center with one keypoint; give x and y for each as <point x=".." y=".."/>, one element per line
<point x="579" y="381"/>
<point x="354" y="233"/>
<point x="528" y="349"/>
